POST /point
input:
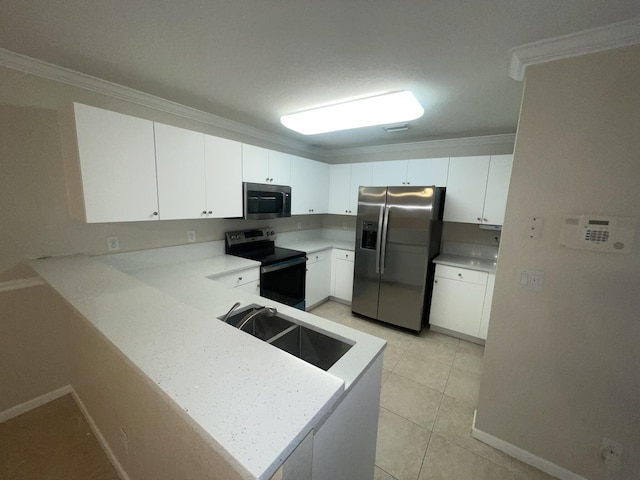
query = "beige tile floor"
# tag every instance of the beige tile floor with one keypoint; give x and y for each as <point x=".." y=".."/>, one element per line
<point x="430" y="388"/>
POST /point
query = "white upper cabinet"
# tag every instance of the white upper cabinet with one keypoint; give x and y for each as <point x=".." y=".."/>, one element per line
<point x="279" y="168"/>
<point x="118" y="166"/>
<point x="180" y="164"/>
<point x="223" y="173"/>
<point x="361" y="174"/>
<point x="343" y="186"/>
<point x="427" y="171"/>
<point x="260" y="165"/>
<point x="339" y="182"/>
<point x="255" y="164"/>
<point x="495" y="200"/>
<point x="309" y="186"/>
<point x="466" y="188"/>
<point x="389" y="173"/>
<point x="477" y="189"/>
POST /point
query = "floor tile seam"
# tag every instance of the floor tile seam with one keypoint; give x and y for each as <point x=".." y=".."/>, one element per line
<point x="419" y="383"/>
<point x="450" y="440"/>
<point x="430" y="430"/>
<point x="424" y="457"/>
<point x="394" y="478"/>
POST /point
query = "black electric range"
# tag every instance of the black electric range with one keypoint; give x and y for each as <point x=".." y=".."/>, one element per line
<point x="282" y="270"/>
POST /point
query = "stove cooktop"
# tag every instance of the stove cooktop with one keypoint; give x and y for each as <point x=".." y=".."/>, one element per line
<point x="258" y="245"/>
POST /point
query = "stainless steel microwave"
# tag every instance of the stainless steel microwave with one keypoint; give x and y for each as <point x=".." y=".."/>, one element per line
<point x="266" y="201"/>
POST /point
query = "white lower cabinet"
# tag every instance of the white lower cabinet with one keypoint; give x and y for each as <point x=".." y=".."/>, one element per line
<point x="318" y="281"/>
<point x="247" y="280"/>
<point x="461" y="300"/>
<point x="342" y="274"/>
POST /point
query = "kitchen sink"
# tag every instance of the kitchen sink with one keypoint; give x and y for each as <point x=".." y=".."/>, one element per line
<point x="261" y="326"/>
<point x="310" y="345"/>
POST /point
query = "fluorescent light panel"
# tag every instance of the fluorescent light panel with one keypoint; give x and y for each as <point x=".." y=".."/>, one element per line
<point x="379" y="110"/>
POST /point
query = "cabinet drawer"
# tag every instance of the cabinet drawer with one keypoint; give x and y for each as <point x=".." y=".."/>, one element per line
<point x="347" y="255"/>
<point x="239" y="278"/>
<point x="320" y="256"/>
<point x="462" y="274"/>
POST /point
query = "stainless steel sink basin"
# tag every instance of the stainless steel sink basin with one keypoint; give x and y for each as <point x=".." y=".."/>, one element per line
<point x="261" y="326"/>
<point x="311" y="346"/>
<point x="314" y="347"/>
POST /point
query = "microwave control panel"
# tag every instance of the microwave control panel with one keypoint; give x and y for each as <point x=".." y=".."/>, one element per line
<point x="598" y="232"/>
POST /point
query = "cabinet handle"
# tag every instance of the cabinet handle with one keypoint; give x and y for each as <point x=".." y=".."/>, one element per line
<point x="435" y="281"/>
<point x="266" y="179"/>
<point x="239" y="278"/>
<point x="485" y="220"/>
<point x="479" y="219"/>
<point x="210" y="212"/>
<point x="271" y="179"/>
<point x="155" y="214"/>
<point x="204" y="212"/>
<point x="460" y="275"/>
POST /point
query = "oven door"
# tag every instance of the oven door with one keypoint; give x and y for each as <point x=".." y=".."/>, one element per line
<point x="284" y="282"/>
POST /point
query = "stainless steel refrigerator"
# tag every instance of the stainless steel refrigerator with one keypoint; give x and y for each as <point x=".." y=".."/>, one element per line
<point x="397" y="236"/>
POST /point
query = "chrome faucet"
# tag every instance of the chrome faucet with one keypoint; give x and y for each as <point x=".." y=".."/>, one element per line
<point x="269" y="311"/>
<point x="226" y="317"/>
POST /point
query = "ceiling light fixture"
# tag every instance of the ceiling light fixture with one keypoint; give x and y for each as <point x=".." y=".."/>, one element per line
<point x="366" y="112"/>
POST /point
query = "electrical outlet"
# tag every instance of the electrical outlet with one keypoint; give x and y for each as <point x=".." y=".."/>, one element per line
<point x="113" y="245"/>
<point x="124" y="439"/>
<point x="191" y="236"/>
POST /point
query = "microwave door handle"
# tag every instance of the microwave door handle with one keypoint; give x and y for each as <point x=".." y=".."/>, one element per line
<point x="284" y="201"/>
<point x="379" y="238"/>
<point x="385" y="233"/>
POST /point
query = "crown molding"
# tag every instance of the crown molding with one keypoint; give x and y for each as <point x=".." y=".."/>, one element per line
<point x="508" y="138"/>
<point x="73" y="78"/>
<point x="615" y="35"/>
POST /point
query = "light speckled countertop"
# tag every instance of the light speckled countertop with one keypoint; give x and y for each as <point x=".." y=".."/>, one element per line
<point x="472" y="263"/>
<point x="164" y="320"/>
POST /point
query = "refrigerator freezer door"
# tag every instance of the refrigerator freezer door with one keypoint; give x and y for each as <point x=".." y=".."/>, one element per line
<point x="406" y="256"/>
<point x="371" y="201"/>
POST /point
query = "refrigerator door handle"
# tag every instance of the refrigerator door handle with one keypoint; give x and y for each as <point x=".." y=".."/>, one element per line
<point x="383" y="248"/>
<point x="379" y="238"/>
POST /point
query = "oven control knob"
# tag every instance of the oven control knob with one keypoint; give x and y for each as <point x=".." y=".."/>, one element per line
<point x="272" y="232"/>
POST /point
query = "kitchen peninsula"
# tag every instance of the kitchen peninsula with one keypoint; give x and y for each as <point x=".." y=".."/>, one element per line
<point x="260" y="413"/>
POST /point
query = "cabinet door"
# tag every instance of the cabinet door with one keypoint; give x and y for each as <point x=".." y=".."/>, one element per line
<point x="428" y="171"/>
<point x="255" y="164"/>
<point x="251" y="287"/>
<point x="318" y="282"/>
<point x="223" y="174"/>
<point x="118" y="165"/>
<point x="486" y="309"/>
<point x="279" y="168"/>
<point x="495" y="200"/>
<point x="339" y="183"/>
<point x="360" y="175"/>
<point x="457" y="306"/>
<point x="180" y="164"/>
<point x="391" y="173"/>
<point x="342" y="281"/>
<point x="309" y="186"/>
<point x="466" y="187"/>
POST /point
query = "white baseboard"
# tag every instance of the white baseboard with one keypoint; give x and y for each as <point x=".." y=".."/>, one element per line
<point x="103" y="442"/>
<point x="54" y="395"/>
<point x="34" y="403"/>
<point x="523" y="455"/>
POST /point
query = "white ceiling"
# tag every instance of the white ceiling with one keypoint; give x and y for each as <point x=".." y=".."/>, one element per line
<point x="254" y="60"/>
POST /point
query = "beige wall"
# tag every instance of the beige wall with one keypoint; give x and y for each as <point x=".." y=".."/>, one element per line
<point x="561" y="365"/>
<point x="33" y="359"/>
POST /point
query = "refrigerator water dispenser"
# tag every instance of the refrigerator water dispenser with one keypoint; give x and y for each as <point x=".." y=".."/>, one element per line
<point x="369" y="235"/>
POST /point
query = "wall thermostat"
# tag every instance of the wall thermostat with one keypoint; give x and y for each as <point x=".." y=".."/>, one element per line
<point x="598" y="232"/>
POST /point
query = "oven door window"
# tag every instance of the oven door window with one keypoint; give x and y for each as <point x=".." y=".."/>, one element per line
<point x="284" y="282"/>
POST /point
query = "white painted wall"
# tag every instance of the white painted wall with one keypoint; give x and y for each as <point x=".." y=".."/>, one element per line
<point x="561" y="365"/>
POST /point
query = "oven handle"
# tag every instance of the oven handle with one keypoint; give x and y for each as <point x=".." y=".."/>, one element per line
<point x="281" y="265"/>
